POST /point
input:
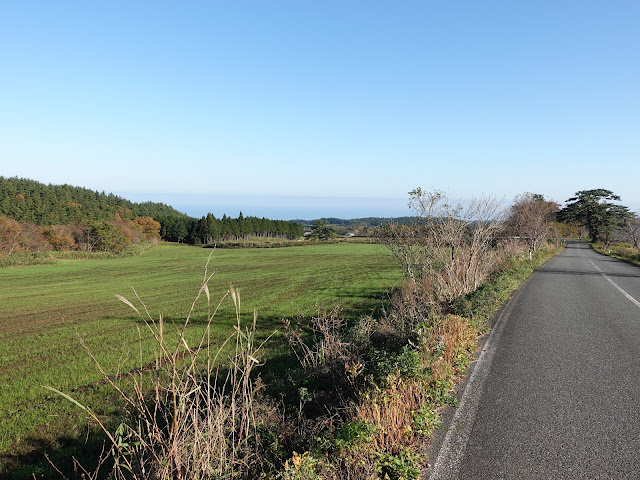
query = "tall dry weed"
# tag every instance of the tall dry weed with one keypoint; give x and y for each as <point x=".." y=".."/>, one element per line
<point x="192" y="418"/>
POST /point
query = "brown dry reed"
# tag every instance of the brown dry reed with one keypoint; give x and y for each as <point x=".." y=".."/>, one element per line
<point x="189" y="418"/>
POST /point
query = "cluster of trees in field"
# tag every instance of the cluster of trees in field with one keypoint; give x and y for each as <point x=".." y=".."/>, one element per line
<point x="364" y="221"/>
<point x="94" y="236"/>
<point x="208" y="230"/>
<point x="363" y="226"/>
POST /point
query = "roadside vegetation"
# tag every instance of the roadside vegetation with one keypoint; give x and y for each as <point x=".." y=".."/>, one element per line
<point x="358" y="394"/>
<point x="621" y="250"/>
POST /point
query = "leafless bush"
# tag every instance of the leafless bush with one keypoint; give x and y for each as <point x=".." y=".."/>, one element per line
<point x="410" y="305"/>
<point x="327" y="346"/>
<point x="530" y="218"/>
<point x="633" y="228"/>
<point x="407" y="244"/>
<point x="451" y="246"/>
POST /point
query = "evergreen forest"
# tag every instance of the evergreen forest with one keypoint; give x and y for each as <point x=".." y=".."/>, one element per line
<point x="36" y="217"/>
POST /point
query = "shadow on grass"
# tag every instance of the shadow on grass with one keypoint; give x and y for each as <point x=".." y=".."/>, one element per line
<point x="278" y="374"/>
<point x="33" y="462"/>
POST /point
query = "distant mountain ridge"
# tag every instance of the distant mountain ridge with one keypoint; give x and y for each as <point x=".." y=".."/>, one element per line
<point x="366" y="221"/>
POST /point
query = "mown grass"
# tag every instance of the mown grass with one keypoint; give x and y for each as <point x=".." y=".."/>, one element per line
<point x="45" y="308"/>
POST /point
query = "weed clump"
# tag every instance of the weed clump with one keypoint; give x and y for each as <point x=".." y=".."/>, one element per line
<point x="189" y="415"/>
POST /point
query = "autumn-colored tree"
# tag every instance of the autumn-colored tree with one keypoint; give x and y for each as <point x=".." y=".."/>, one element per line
<point x="149" y="227"/>
<point x="59" y="237"/>
<point x="33" y="240"/>
<point x="10" y="236"/>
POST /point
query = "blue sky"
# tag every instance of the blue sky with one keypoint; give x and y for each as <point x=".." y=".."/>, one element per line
<point x="298" y="109"/>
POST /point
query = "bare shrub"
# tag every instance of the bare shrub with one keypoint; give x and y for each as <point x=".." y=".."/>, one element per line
<point x="633" y="229"/>
<point x="328" y="345"/>
<point x="530" y="219"/>
<point x="410" y="305"/>
<point x="452" y="245"/>
<point x="407" y="244"/>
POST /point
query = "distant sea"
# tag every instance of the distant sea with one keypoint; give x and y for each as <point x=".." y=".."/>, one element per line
<point x="277" y="207"/>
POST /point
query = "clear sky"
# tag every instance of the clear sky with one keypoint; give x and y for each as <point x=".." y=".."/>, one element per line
<point x="300" y="109"/>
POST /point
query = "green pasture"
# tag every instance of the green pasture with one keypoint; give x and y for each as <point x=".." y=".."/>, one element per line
<point x="45" y="308"/>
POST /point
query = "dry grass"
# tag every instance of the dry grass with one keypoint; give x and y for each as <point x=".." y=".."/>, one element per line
<point x="446" y="349"/>
<point x="391" y="411"/>
<point x="190" y="419"/>
<point x="449" y="344"/>
<point x="622" y="251"/>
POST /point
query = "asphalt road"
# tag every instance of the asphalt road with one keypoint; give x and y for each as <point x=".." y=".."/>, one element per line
<point x="556" y="391"/>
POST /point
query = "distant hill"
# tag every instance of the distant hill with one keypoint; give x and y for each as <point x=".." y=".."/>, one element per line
<point x="365" y="221"/>
<point x="30" y="201"/>
<point x="33" y="203"/>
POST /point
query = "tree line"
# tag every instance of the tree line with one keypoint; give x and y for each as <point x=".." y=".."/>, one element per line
<point x="363" y="221"/>
<point x="208" y="230"/>
<point x="39" y="217"/>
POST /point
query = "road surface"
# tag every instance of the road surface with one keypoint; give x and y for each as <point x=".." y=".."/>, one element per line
<point x="556" y="391"/>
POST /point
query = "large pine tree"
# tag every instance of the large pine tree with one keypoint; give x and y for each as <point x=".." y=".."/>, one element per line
<point x="594" y="209"/>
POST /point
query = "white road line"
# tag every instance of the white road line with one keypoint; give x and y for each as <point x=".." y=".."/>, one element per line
<point x="636" y="302"/>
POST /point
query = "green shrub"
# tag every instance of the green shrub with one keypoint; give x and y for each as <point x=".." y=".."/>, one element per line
<point x="300" y="467"/>
<point x="403" y="466"/>
<point x="354" y="434"/>
<point x="407" y="363"/>
<point x="426" y="419"/>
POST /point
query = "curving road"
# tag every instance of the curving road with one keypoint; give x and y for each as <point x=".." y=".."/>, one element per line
<point x="556" y="391"/>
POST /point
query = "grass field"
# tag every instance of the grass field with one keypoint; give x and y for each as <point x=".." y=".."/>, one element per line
<point x="44" y="308"/>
